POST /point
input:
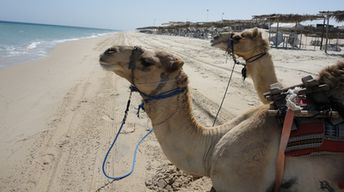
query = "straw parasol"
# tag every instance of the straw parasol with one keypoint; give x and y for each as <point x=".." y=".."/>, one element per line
<point x="287" y="18"/>
<point x="337" y="15"/>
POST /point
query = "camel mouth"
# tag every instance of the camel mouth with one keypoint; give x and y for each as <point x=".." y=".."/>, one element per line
<point x="218" y="44"/>
<point x="104" y="64"/>
<point x="104" y="61"/>
<point x="213" y="43"/>
<point x="108" y="66"/>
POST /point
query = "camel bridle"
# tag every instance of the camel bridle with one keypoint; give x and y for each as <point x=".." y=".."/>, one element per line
<point x="135" y="54"/>
<point x="230" y="50"/>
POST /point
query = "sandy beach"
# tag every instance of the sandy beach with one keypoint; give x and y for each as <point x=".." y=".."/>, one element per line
<point x="59" y="114"/>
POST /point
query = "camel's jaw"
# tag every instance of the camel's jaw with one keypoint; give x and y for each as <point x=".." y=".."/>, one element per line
<point x="107" y="65"/>
<point x="219" y="44"/>
<point x="116" y="68"/>
<point x="214" y="43"/>
<point x="221" y="41"/>
<point x="115" y="58"/>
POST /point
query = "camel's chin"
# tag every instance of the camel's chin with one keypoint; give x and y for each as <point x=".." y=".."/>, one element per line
<point x="108" y="67"/>
<point x="214" y="44"/>
<point x="218" y="45"/>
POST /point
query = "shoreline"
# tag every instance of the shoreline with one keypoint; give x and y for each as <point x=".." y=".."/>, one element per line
<point x="45" y="50"/>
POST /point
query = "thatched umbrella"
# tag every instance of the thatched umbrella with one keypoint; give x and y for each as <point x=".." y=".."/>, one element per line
<point x="258" y="20"/>
<point x="285" y="18"/>
<point x="337" y="15"/>
<point x="177" y="26"/>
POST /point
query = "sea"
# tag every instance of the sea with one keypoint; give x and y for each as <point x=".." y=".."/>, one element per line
<point x="22" y="42"/>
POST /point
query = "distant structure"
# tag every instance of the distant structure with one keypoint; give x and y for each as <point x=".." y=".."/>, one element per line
<point x="293" y="31"/>
<point x="285" y="30"/>
<point x="276" y="39"/>
<point x="202" y="30"/>
<point x="294" y="40"/>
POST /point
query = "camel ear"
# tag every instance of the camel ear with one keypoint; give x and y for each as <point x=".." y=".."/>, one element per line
<point x="175" y="65"/>
<point x="256" y="33"/>
<point x="169" y="62"/>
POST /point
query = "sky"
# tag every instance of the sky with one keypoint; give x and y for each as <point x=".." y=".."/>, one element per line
<point x="130" y="14"/>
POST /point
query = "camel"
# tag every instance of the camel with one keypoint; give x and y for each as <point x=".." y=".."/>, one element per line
<point x="253" y="48"/>
<point x="239" y="155"/>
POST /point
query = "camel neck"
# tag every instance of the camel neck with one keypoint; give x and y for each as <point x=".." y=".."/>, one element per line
<point x="262" y="72"/>
<point x="183" y="140"/>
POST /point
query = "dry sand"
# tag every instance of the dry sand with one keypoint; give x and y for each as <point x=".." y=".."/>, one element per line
<point x="58" y="114"/>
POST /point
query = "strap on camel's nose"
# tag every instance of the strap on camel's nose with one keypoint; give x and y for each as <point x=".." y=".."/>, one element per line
<point x="135" y="54"/>
<point x="230" y="43"/>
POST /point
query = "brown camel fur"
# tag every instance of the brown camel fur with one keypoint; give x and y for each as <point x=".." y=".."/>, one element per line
<point x="239" y="155"/>
<point x="248" y="44"/>
<point x="334" y="77"/>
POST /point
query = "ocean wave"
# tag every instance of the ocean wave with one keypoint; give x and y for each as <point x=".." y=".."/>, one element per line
<point x="38" y="40"/>
<point x="37" y="48"/>
<point x="82" y="37"/>
<point x="33" y="45"/>
<point x="66" y="40"/>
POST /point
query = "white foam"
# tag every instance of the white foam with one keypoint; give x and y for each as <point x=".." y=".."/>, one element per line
<point x="39" y="47"/>
<point x="14" y="52"/>
<point x="65" y="40"/>
<point x="33" y="45"/>
<point x="83" y="37"/>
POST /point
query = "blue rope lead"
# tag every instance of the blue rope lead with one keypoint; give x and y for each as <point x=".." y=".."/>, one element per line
<point x="162" y="95"/>
<point x="114" y="141"/>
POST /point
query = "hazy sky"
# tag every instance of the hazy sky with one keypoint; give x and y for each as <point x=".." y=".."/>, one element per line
<point x="130" y="14"/>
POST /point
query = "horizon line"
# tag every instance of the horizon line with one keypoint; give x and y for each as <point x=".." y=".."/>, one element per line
<point x="58" y="25"/>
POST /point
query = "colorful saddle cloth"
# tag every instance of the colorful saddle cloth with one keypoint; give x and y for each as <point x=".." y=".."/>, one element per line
<point x="310" y="135"/>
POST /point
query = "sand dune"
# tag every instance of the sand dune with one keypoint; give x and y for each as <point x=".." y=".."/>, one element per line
<point x="59" y="114"/>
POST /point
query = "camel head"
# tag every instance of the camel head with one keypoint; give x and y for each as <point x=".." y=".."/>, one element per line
<point x="333" y="76"/>
<point x="146" y="69"/>
<point x="244" y="44"/>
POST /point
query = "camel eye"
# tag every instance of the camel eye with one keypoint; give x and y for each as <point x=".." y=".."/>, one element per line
<point x="146" y="63"/>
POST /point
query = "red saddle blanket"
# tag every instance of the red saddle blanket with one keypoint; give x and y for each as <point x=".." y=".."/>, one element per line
<point x="315" y="135"/>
